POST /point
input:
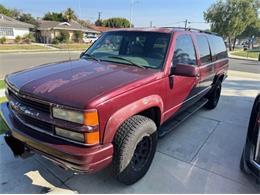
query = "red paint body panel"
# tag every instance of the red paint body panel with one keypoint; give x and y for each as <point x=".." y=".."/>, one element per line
<point x="116" y="91"/>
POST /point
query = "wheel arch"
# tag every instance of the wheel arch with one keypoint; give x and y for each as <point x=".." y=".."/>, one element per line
<point x="151" y="107"/>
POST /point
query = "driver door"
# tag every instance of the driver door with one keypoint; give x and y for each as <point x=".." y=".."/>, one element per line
<point x="182" y="90"/>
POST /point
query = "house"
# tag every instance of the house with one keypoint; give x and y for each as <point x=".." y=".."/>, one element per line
<point x="11" y="28"/>
<point x="47" y="31"/>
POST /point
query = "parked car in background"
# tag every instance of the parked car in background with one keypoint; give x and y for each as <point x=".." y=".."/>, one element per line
<point x="90" y="38"/>
<point x="110" y="106"/>
<point x="250" y="160"/>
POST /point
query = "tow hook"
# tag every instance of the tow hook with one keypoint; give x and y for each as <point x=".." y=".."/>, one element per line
<point x="18" y="148"/>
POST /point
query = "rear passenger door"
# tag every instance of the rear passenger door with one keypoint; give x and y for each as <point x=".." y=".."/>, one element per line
<point x="206" y="66"/>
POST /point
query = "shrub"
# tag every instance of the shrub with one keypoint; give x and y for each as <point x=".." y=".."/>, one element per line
<point x="78" y="36"/>
<point x="64" y="36"/>
<point x="56" y="40"/>
<point x="28" y="38"/>
<point x="17" y="39"/>
<point x="2" y="40"/>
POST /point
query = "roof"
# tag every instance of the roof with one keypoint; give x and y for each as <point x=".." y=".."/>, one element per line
<point x="100" y="28"/>
<point x="73" y="25"/>
<point x="6" y="21"/>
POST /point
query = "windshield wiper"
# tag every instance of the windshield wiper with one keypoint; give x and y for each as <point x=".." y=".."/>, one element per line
<point x="91" y="56"/>
<point x="127" y="60"/>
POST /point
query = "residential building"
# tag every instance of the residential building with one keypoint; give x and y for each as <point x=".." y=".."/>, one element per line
<point x="11" y="28"/>
<point x="47" y="31"/>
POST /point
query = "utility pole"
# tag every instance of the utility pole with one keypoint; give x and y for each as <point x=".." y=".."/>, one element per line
<point x="186" y="22"/>
<point x="99" y="15"/>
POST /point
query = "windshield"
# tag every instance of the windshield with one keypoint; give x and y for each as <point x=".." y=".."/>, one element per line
<point x="143" y="49"/>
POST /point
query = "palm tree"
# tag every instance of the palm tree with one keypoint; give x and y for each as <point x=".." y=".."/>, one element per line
<point x="69" y="15"/>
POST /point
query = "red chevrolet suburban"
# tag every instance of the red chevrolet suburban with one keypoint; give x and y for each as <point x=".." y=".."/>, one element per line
<point x="110" y="106"/>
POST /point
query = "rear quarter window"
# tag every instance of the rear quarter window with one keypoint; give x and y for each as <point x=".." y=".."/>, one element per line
<point x="218" y="47"/>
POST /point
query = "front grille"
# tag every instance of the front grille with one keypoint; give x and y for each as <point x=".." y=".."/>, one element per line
<point x="28" y="120"/>
<point x="36" y="123"/>
<point x="30" y="103"/>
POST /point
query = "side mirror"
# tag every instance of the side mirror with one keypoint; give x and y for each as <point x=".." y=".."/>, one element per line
<point x="81" y="54"/>
<point x="185" y="70"/>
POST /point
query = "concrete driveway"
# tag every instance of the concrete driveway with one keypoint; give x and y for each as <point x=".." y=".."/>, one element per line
<point x="201" y="156"/>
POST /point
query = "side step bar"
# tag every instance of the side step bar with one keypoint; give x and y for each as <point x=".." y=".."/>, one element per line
<point x="175" y="121"/>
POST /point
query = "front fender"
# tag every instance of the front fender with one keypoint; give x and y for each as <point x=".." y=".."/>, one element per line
<point x="116" y="120"/>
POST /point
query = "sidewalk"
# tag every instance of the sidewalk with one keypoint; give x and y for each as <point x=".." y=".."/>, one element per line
<point x="230" y="55"/>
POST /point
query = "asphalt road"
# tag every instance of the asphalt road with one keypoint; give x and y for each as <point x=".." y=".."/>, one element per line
<point x="13" y="62"/>
<point x="18" y="61"/>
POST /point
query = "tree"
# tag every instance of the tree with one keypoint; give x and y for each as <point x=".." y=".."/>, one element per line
<point x="253" y="30"/>
<point x="27" y="18"/>
<point x="116" y="23"/>
<point x="69" y="15"/>
<point x="13" y="13"/>
<point x="99" y="22"/>
<point x="84" y="23"/>
<point x="231" y="17"/>
<point x="54" y="16"/>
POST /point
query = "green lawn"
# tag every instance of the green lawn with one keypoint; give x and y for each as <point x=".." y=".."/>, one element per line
<point x="72" y="46"/>
<point x="3" y="126"/>
<point x="21" y="47"/>
<point x="250" y="54"/>
<point x="2" y="84"/>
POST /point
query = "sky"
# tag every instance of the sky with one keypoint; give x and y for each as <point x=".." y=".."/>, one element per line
<point x="160" y="12"/>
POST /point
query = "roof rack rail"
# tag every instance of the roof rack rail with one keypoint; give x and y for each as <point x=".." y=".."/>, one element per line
<point x="190" y="29"/>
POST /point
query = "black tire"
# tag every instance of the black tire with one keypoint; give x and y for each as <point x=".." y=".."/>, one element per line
<point x="134" y="148"/>
<point x="214" y="96"/>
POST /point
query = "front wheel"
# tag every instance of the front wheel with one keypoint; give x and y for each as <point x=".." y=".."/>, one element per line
<point x="214" y="96"/>
<point x="134" y="148"/>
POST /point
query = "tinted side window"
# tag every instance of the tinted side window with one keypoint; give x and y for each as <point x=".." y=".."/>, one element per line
<point x="204" y="51"/>
<point x="184" y="52"/>
<point x="218" y="47"/>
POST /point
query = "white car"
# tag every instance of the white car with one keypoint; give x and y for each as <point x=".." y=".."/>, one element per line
<point x="90" y="38"/>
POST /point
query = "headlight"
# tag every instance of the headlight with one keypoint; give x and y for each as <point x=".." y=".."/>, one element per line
<point x="70" y="134"/>
<point x="68" y="115"/>
<point x="89" y="118"/>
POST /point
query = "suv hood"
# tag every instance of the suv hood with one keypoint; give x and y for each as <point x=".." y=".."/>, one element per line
<point x="75" y="83"/>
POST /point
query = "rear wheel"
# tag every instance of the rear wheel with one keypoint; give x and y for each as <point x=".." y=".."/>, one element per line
<point x="214" y="96"/>
<point x="134" y="148"/>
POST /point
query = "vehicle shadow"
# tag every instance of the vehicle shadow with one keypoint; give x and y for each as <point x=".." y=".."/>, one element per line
<point x="24" y="175"/>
